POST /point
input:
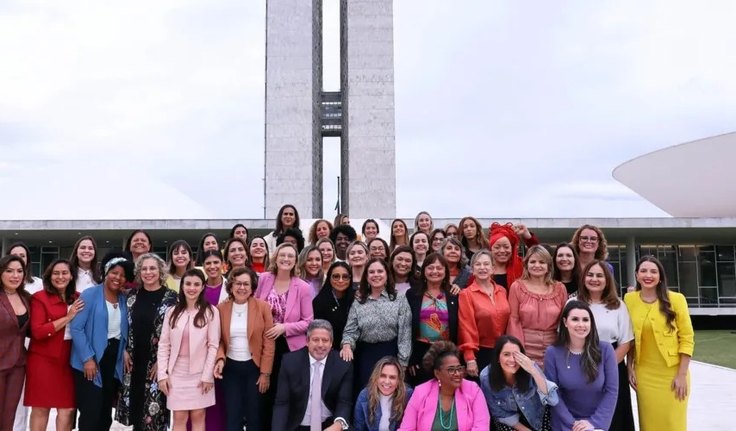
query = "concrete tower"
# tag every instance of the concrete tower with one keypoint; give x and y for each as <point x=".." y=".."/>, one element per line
<point x="299" y="113"/>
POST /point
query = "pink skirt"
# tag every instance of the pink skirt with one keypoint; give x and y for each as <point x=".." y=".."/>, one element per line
<point x="184" y="390"/>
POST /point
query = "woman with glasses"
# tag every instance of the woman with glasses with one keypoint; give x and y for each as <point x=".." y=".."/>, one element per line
<point x="447" y="401"/>
<point x="435" y="240"/>
<point x="590" y="244"/>
<point x="333" y="301"/>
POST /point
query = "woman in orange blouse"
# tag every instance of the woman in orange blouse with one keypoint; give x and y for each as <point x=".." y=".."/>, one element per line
<point x="483" y="316"/>
<point x="536" y="302"/>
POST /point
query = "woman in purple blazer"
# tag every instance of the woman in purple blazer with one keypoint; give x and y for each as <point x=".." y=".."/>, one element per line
<point x="290" y="299"/>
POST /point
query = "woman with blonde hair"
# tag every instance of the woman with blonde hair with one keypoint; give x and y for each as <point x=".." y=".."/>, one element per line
<point x="380" y="405"/>
<point x="536" y="302"/>
<point x="310" y="268"/>
<point x="327" y="249"/>
<point x="320" y="229"/>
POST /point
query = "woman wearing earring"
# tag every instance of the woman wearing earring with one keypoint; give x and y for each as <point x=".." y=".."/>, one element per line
<point x="186" y="354"/>
<point x="614" y="326"/>
<point x="664" y="342"/>
<point x="448" y="401"/>
<point x="504" y="242"/>
<point x="585" y="370"/>
<point x="99" y="337"/>
<point x="141" y="403"/>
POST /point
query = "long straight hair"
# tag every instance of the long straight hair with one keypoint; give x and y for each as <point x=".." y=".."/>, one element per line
<point x="5" y="262"/>
<point x="398" y="402"/>
<point x="496" y="377"/>
<point x="591" y="356"/>
<point x="204" y="309"/>
<point x="609" y="296"/>
<point x="27" y="273"/>
<point x="94" y="267"/>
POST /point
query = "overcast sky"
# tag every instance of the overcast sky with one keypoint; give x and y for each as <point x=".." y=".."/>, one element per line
<point x="503" y="109"/>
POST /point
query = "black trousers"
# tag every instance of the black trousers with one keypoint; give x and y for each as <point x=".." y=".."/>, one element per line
<point x="93" y="402"/>
<point x="242" y="398"/>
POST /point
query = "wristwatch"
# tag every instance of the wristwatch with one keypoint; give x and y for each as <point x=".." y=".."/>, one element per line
<point x="342" y="423"/>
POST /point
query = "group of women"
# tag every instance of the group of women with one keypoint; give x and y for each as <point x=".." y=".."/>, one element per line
<point x="448" y="328"/>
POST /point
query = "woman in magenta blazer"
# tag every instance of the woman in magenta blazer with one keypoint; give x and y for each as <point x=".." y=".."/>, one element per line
<point x="290" y="300"/>
<point x="448" y="401"/>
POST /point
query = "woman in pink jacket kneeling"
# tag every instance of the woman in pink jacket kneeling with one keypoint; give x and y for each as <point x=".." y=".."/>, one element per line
<point x="447" y="402"/>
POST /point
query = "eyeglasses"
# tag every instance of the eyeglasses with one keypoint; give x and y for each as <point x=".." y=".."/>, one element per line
<point x="455" y="370"/>
<point x="241" y="284"/>
<point x="340" y="277"/>
<point x="589" y="238"/>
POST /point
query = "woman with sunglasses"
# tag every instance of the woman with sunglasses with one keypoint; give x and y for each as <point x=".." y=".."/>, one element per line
<point x="333" y="301"/>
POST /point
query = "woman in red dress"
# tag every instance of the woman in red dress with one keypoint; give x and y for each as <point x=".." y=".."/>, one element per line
<point x="49" y="381"/>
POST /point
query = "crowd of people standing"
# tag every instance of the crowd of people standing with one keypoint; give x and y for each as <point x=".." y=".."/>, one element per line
<point x="443" y="328"/>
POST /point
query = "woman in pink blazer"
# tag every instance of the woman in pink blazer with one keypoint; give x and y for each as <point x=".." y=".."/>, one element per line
<point x="448" y="401"/>
<point x="290" y="300"/>
<point x="186" y="353"/>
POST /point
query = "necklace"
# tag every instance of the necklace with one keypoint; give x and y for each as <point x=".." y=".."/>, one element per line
<point x="10" y="293"/>
<point x="449" y="418"/>
<point x="567" y="360"/>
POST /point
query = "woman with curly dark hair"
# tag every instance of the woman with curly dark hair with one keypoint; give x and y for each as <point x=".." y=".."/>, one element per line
<point x="448" y="401"/>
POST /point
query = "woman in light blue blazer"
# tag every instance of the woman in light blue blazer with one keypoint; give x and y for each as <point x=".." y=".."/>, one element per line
<point x="99" y="333"/>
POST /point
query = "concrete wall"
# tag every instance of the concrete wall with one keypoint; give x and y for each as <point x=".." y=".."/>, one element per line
<point x="368" y="146"/>
<point x="293" y="171"/>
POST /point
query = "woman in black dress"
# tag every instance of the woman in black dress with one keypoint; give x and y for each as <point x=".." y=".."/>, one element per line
<point x="333" y="301"/>
<point x="141" y="403"/>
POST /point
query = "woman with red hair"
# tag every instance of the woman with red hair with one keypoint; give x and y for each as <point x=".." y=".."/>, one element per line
<point x="504" y="242"/>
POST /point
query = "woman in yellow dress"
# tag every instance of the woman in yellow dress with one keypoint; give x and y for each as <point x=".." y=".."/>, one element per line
<point x="663" y="344"/>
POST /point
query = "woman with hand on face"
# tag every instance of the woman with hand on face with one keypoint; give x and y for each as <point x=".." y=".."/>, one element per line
<point x="516" y="390"/>
<point x="333" y="301"/>
<point x="245" y="356"/>
<point x="287" y="217"/>
<point x="566" y="268"/>
<point x="483" y="316"/>
<point x="49" y="381"/>
<point x="420" y="244"/>
<point x="379" y="323"/>
<point x="84" y="263"/>
<point x="377" y="247"/>
<point x="658" y="361"/>
<point x="290" y="300"/>
<point x="141" y="403"/>
<point x="357" y="257"/>
<point x="370" y="230"/>
<point x="310" y="268"/>
<point x="504" y="242"/>
<point x="187" y="352"/>
<point x="180" y="260"/>
<point x="402" y="268"/>
<point x="14" y="317"/>
<point x="327" y="248"/>
<point x="381" y="404"/>
<point x="31" y="283"/>
<point x="236" y="254"/>
<point x="239" y="231"/>
<point x="139" y="243"/>
<point x="319" y="229"/>
<point x="460" y="273"/>
<point x="536" y="301"/>
<point x="472" y="237"/>
<point x="99" y="336"/>
<point x="399" y="234"/>
<point x="448" y="401"/>
<point x="584" y="368"/>
<point x="435" y="240"/>
<point x="434" y="311"/>
<point x="259" y="257"/>
<point x="423" y="223"/>
<point x="614" y="326"/>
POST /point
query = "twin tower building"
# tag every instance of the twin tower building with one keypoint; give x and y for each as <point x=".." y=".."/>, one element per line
<point x="299" y="113"/>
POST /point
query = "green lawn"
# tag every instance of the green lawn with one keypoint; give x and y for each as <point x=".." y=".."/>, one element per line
<point x="716" y="347"/>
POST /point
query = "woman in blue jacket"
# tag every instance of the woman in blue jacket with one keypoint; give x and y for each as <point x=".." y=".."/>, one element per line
<point x="99" y="333"/>
<point x="516" y="390"/>
<point x="381" y="404"/>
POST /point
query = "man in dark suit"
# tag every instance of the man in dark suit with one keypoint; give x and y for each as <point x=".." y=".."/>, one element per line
<point x="316" y="367"/>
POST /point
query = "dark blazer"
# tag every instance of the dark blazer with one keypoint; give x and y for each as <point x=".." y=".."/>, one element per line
<point x="415" y="303"/>
<point x="336" y="313"/>
<point x="12" y="338"/>
<point x="293" y="389"/>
